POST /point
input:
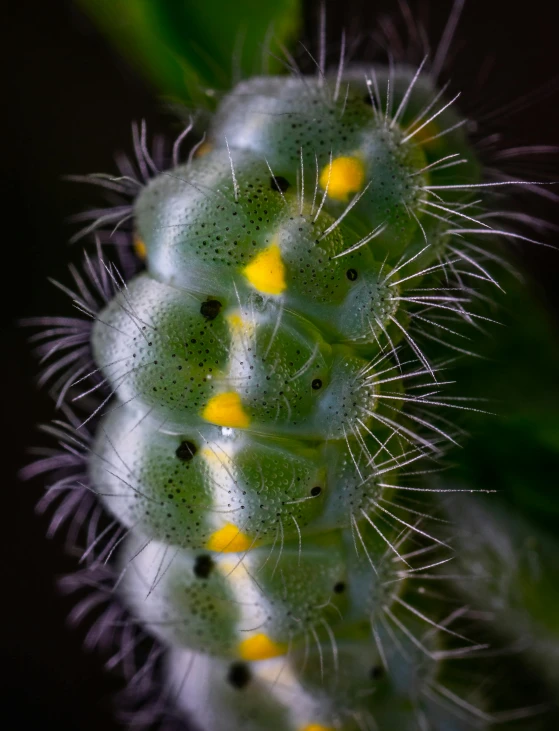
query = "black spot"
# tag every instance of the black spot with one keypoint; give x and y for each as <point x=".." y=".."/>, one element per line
<point x="239" y="675"/>
<point x="367" y="100"/>
<point x="210" y="309"/>
<point x="186" y="450"/>
<point x="316" y="491"/>
<point x="203" y="566"/>
<point x="339" y="588"/>
<point x="316" y="384"/>
<point x="279" y="184"/>
<point x="377" y="672"/>
<point x="351" y="274"/>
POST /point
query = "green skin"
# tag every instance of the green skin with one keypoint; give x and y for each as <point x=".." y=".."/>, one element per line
<point x="202" y="608"/>
<point x="141" y="479"/>
<point x="317" y="573"/>
<point x="160" y="350"/>
<point x="199" y="239"/>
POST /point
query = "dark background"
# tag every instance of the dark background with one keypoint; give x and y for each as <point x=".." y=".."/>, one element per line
<point x="68" y="103"/>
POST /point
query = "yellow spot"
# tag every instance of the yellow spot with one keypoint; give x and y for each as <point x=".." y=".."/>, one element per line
<point x="236" y="321"/>
<point x="266" y="272"/>
<point x="204" y="148"/>
<point x="140" y="248"/>
<point x="239" y="327"/>
<point x="226" y="409"/>
<point x="227" y="568"/>
<point x="210" y="456"/>
<point x="260" y="647"/>
<point x="316" y="727"/>
<point x="228" y="539"/>
<point x="343" y="176"/>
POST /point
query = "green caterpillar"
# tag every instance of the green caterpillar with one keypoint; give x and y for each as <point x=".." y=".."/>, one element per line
<point x="258" y="440"/>
<point x="270" y="413"/>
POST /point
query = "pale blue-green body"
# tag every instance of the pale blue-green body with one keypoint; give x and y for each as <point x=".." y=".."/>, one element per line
<point x="259" y="433"/>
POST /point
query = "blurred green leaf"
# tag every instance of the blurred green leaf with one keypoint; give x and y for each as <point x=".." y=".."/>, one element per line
<point x="184" y="46"/>
<point x="516" y="450"/>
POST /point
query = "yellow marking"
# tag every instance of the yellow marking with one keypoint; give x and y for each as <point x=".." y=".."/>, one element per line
<point x="204" y="148"/>
<point x="227" y="568"/>
<point x="228" y="539"/>
<point x="140" y="248"/>
<point x="226" y="409"/>
<point x="260" y="647"/>
<point x="266" y="272"/>
<point x="316" y="727"/>
<point x="236" y="321"/>
<point x="239" y="327"/>
<point x="210" y="456"/>
<point x="343" y="176"/>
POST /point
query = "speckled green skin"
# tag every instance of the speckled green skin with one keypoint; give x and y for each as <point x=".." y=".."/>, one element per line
<point x="300" y="478"/>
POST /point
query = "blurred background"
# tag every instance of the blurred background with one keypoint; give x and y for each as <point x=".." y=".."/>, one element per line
<point x="69" y="100"/>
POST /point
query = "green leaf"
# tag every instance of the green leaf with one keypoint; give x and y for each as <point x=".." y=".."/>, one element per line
<point x="186" y="47"/>
<point x="516" y="449"/>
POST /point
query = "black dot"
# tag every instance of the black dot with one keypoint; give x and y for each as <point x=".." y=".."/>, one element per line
<point x="316" y="491"/>
<point x="316" y="384"/>
<point x="377" y="672"/>
<point x="203" y="566"/>
<point x="351" y="274"/>
<point x="210" y="309"/>
<point x="186" y="450"/>
<point x="339" y="588"/>
<point x="279" y="184"/>
<point x="239" y="675"/>
<point x="367" y="99"/>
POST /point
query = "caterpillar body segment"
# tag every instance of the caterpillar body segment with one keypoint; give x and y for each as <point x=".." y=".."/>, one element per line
<point x="250" y="236"/>
<point x="376" y="146"/>
<point x="271" y="402"/>
<point x="268" y="604"/>
<point x="272" y="694"/>
<point x="244" y="368"/>
<point x="193" y="489"/>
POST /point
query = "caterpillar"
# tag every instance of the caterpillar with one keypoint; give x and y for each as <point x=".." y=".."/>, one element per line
<point x="270" y="413"/>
